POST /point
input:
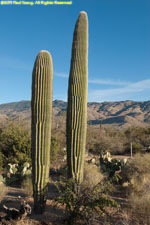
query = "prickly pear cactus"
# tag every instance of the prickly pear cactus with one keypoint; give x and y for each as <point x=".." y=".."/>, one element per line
<point x="41" y="106"/>
<point x="110" y="165"/>
<point x="77" y="100"/>
<point x="15" y="173"/>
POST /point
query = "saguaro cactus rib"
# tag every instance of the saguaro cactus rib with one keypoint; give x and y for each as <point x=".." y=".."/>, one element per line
<point x="41" y="105"/>
<point x="77" y="100"/>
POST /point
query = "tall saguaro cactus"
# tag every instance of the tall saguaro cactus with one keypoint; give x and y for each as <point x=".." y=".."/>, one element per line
<point x="41" y="106"/>
<point x="77" y="100"/>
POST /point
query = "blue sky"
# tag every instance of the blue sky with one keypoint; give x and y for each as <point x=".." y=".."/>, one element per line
<point x="119" y="48"/>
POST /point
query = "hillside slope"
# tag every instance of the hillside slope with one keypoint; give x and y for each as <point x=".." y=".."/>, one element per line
<point x="119" y="114"/>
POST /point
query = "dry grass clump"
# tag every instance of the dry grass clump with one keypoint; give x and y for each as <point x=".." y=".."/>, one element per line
<point x="27" y="186"/>
<point x="141" y="163"/>
<point x="139" y="199"/>
<point x="140" y="184"/>
<point x="135" y="170"/>
<point x="140" y="208"/>
<point x="138" y="175"/>
<point x="92" y="176"/>
<point x="139" y="189"/>
<point x="3" y="190"/>
<point x="27" y="222"/>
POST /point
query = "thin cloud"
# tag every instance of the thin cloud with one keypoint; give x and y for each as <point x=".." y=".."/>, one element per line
<point x="128" y="92"/>
<point x="122" y="90"/>
<point x="108" y="82"/>
<point x="97" y="81"/>
<point x="62" y="75"/>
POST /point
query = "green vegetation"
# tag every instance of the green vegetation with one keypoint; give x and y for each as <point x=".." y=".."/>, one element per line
<point x="84" y="205"/>
<point x="77" y="100"/>
<point x="15" y="144"/>
<point x="117" y="141"/>
<point x="16" y="173"/>
<point x="41" y="107"/>
<point x="110" y="166"/>
<point x="55" y="147"/>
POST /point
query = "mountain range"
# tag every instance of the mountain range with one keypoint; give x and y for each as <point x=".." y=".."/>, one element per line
<point x="120" y="114"/>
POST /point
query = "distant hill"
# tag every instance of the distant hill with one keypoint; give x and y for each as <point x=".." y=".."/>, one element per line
<point x="119" y="114"/>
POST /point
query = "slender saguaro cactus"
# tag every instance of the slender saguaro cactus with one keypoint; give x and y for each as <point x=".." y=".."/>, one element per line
<point x="41" y="106"/>
<point x="77" y="100"/>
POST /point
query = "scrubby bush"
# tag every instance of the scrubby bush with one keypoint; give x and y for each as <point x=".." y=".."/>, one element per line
<point x="99" y="141"/>
<point x="55" y="146"/>
<point x="84" y="205"/>
<point x="135" y="171"/>
<point x="1" y="160"/>
<point x="140" y="138"/>
<point x="137" y="167"/>
<point x="60" y="134"/>
<point x="139" y="198"/>
<point x="3" y="190"/>
<point x="140" y="208"/>
<point x="117" y="141"/>
<point x="136" y="148"/>
<point x="27" y="186"/>
<point x="15" y="144"/>
<point x="141" y="163"/>
<point x="92" y="176"/>
<point x="137" y="177"/>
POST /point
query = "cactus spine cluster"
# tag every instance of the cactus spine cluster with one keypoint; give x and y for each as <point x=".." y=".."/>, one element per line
<point x="77" y="100"/>
<point x="41" y="106"/>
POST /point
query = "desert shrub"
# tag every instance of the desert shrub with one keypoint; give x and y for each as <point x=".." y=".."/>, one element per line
<point x="99" y="147"/>
<point x="27" y="186"/>
<point x="60" y="134"/>
<point x="55" y="146"/>
<point x="140" y="208"/>
<point x="1" y="160"/>
<point x="138" y="188"/>
<point x="15" y="144"/>
<point x="84" y="205"/>
<point x="136" y="167"/>
<point x="140" y="164"/>
<point x="92" y="176"/>
<point x="138" y="136"/>
<point x="140" y="185"/>
<point x="99" y="141"/>
<point x="117" y="141"/>
<point x="136" y="148"/>
<point x="3" y="190"/>
<point x="26" y="221"/>
<point x="139" y="199"/>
